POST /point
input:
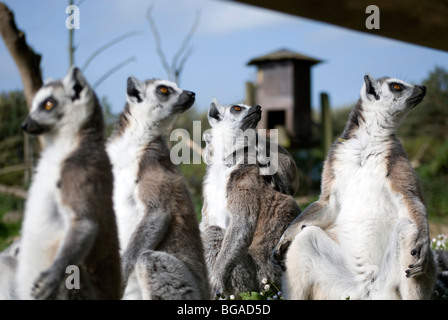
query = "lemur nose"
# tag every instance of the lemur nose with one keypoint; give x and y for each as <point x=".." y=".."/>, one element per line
<point x="190" y="93"/>
<point x="423" y="88"/>
<point x="258" y="107"/>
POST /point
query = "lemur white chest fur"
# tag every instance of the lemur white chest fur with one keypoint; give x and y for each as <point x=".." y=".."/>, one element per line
<point x="43" y="217"/>
<point x="215" y="184"/>
<point x="366" y="204"/>
<point x="125" y="153"/>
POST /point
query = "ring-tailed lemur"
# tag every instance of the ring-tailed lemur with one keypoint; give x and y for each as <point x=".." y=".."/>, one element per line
<point x="243" y="215"/>
<point x="367" y="236"/>
<point x="285" y="174"/>
<point x="69" y="218"/>
<point x="162" y="253"/>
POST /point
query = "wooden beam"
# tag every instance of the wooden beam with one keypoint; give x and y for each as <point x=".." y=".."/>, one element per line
<point x="420" y="22"/>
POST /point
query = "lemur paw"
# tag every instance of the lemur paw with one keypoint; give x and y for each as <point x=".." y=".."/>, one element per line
<point x="420" y="254"/>
<point x="46" y="286"/>
<point x="278" y="254"/>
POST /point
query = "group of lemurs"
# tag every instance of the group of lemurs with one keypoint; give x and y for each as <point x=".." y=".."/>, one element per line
<point x="121" y="212"/>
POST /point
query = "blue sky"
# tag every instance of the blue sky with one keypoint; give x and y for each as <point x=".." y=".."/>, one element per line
<point x="228" y="36"/>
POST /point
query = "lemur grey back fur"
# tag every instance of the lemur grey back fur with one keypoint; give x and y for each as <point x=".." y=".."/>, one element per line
<point x="367" y="236"/>
<point x="69" y="218"/>
<point x="243" y="214"/>
<point x="161" y="249"/>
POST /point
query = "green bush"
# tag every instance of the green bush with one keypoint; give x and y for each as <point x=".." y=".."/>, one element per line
<point x="9" y="230"/>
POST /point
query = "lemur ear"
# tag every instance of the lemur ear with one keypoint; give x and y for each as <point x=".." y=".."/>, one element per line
<point x="135" y="90"/>
<point x="74" y="82"/>
<point x="208" y="150"/>
<point x="214" y="113"/>
<point x="207" y="137"/>
<point x="371" y="86"/>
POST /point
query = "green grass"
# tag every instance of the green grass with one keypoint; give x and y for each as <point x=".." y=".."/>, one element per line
<point x="9" y="230"/>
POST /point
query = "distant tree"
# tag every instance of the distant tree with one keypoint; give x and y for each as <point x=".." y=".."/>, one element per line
<point x="109" y="116"/>
<point x="193" y="173"/>
<point x="339" y="117"/>
<point x="13" y="110"/>
<point x="430" y="118"/>
<point x="425" y="129"/>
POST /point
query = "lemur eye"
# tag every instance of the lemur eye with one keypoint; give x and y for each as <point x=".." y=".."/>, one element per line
<point x="236" y="108"/>
<point x="396" y="87"/>
<point x="163" y="89"/>
<point x="49" y="105"/>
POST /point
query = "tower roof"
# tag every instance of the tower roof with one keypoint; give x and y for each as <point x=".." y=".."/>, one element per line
<point x="283" y="54"/>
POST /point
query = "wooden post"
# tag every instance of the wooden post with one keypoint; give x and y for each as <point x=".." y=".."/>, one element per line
<point x="327" y="129"/>
<point x="27" y="157"/>
<point x="250" y="93"/>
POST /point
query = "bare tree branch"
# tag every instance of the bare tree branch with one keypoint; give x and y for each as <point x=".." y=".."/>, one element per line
<point x="177" y="64"/>
<point x="27" y="61"/>
<point x="175" y="67"/>
<point x="180" y="68"/>
<point x="17" y="192"/>
<point x="112" y="70"/>
<point x="107" y="45"/>
<point x="159" y="50"/>
<point x="19" y="167"/>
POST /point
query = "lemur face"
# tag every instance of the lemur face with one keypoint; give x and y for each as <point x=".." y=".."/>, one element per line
<point x="62" y="103"/>
<point x="158" y="101"/>
<point x="230" y="130"/>
<point x="391" y="97"/>
<point x="238" y="116"/>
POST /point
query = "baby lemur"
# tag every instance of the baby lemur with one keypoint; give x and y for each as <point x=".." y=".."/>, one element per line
<point x="69" y="218"/>
<point x="161" y="249"/>
<point x="244" y="212"/>
<point x="367" y="236"/>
